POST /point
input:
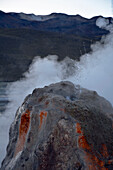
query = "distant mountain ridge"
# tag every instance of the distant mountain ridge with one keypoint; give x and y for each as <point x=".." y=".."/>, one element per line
<point x="55" y="22"/>
<point x="24" y="36"/>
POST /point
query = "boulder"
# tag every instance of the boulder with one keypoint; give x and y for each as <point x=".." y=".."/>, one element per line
<point x="61" y="127"/>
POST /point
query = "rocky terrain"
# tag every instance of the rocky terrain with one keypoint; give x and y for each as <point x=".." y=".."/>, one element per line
<point x="24" y="36"/>
<point x="61" y="127"/>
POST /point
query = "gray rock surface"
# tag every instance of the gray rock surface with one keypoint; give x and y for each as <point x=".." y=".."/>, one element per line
<point x="61" y="127"/>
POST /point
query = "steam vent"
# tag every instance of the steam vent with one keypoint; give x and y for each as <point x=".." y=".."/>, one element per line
<point x="61" y="127"/>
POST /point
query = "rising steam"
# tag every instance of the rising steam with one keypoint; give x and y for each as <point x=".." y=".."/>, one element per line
<point x="94" y="71"/>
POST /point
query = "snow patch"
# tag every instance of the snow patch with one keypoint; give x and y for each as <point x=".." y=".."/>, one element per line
<point x="32" y="17"/>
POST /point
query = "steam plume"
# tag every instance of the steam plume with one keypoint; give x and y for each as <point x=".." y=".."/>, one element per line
<point x="94" y="71"/>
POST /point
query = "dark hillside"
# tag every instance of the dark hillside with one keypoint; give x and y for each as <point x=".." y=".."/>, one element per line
<point x="22" y="39"/>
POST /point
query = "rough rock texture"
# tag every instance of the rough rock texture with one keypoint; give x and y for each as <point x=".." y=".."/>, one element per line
<point x="61" y="127"/>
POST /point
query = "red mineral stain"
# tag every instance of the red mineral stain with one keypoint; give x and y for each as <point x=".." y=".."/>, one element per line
<point x="78" y="128"/>
<point x="47" y="103"/>
<point x="42" y="116"/>
<point x="60" y="107"/>
<point x="92" y="162"/>
<point x="25" y="122"/>
<point x="23" y="129"/>
<point x="83" y="143"/>
<point x="63" y="110"/>
<point x="40" y="99"/>
<point x="104" y="151"/>
<point x="110" y="161"/>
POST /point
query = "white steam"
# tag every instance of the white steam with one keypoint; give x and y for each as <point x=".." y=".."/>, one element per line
<point x="94" y="71"/>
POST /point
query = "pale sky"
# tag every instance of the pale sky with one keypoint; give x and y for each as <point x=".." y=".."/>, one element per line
<point x="86" y="8"/>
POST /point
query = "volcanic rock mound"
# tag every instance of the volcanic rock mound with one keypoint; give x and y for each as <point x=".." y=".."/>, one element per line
<point x="61" y="127"/>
